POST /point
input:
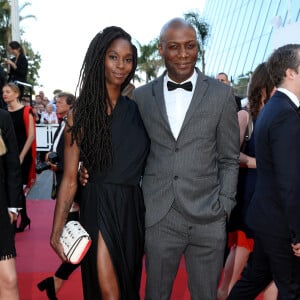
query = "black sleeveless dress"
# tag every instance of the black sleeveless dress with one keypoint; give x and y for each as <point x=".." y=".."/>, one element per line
<point x="112" y="203"/>
<point x="245" y="191"/>
<point x="20" y="130"/>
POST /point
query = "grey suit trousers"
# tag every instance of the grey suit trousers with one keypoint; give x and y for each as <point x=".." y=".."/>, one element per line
<point x="202" y="246"/>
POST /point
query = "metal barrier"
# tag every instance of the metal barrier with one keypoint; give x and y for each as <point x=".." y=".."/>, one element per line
<point x="44" y="136"/>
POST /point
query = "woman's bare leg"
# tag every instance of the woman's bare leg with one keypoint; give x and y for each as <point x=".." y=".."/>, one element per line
<point x="235" y="263"/>
<point x="271" y="292"/>
<point x="106" y="273"/>
<point x="8" y="280"/>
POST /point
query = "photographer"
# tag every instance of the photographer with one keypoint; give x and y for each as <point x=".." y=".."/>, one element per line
<point x="55" y="162"/>
<point x="17" y="66"/>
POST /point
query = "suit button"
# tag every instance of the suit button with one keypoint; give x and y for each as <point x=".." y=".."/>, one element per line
<point x="176" y="149"/>
<point x="175" y="177"/>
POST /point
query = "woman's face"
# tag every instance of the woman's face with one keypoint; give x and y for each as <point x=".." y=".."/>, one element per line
<point x="118" y="62"/>
<point x="14" y="52"/>
<point x="9" y="95"/>
<point x="49" y="108"/>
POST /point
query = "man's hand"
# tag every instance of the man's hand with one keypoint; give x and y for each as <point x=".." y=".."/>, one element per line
<point x="13" y="217"/>
<point x="296" y="249"/>
<point x="53" y="167"/>
<point x="83" y="175"/>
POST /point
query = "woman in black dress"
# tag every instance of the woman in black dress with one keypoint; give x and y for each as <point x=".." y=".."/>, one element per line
<point x="24" y="126"/>
<point x="106" y="131"/>
<point x="10" y="201"/>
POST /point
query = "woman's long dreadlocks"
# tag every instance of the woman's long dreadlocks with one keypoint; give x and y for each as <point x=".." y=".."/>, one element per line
<point x="91" y="126"/>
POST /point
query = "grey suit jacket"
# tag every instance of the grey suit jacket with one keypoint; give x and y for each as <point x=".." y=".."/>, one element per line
<point x="199" y="170"/>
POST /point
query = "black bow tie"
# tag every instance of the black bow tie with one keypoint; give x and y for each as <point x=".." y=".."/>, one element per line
<point x="173" y="86"/>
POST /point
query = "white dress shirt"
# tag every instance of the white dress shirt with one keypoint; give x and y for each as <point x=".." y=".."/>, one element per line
<point x="177" y="103"/>
<point x="291" y="95"/>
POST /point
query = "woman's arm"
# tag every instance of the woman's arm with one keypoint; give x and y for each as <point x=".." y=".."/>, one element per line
<point x="243" y="118"/>
<point x="245" y="160"/>
<point x="67" y="190"/>
<point x="29" y="140"/>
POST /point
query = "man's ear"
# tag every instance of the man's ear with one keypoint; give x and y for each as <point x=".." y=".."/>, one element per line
<point x="160" y="49"/>
<point x="290" y="73"/>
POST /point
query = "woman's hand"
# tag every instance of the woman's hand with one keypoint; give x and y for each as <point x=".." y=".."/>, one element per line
<point x="7" y="61"/>
<point x="57" y="246"/>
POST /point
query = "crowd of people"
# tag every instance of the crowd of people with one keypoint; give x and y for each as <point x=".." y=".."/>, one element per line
<point x="174" y="168"/>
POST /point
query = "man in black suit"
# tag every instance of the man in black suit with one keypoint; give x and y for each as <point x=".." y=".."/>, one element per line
<point x="274" y="212"/>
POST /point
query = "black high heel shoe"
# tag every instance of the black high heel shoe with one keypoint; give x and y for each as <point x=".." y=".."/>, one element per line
<point x="48" y="285"/>
<point x="23" y="225"/>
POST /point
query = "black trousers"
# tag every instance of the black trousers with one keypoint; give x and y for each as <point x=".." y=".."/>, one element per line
<point x="272" y="259"/>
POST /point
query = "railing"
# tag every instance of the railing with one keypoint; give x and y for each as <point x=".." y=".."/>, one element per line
<point x="44" y="136"/>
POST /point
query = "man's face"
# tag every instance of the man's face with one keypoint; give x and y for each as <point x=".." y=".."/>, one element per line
<point x="297" y="78"/>
<point x="222" y="78"/>
<point x="179" y="50"/>
<point x="61" y="105"/>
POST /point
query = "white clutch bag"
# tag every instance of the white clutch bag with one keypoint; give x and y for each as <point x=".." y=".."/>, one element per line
<point x="75" y="241"/>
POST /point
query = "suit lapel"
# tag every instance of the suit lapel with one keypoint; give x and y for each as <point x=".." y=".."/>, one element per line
<point x="158" y="95"/>
<point x="200" y="90"/>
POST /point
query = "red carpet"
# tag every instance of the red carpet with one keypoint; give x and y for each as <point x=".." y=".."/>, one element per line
<point x="36" y="259"/>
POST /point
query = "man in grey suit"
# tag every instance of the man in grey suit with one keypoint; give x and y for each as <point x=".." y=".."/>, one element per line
<point x="190" y="177"/>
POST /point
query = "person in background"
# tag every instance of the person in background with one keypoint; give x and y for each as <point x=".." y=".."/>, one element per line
<point x="37" y="115"/>
<point x="10" y="202"/>
<point x="53" y="100"/>
<point x="49" y="116"/>
<point x="223" y="77"/>
<point x="17" y="66"/>
<point x="42" y="95"/>
<point x="273" y="213"/>
<point x="53" y="284"/>
<point x="106" y="132"/>
<point x="25" y="101"/>
<point x="190" y="178"/>
<point x="38" y="99"/>
<point x="24" y="125"/>
<point x="240" y="241"/>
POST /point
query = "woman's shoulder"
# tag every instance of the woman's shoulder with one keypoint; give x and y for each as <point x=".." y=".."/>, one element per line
<point x="129" y="102"/>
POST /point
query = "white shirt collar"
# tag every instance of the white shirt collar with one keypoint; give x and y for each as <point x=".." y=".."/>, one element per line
<point x="291" y="95"/>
